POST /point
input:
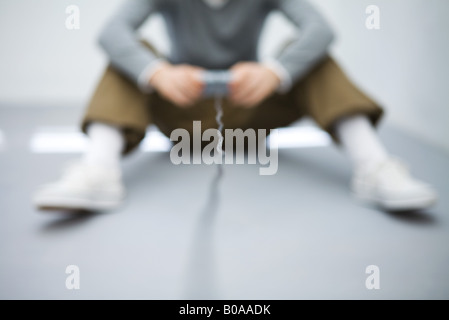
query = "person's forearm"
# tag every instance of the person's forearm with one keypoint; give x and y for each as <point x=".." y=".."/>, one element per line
<point x="120" y="42"/>
<point x="313" y="41"/>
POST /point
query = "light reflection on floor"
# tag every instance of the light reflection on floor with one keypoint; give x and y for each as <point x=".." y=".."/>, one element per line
<point x="71" y="140"/>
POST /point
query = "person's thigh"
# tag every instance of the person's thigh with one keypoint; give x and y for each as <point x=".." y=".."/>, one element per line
<point x="326" y="94"/>
<point x="279" y="110"/>
<point x="276" y="111"/>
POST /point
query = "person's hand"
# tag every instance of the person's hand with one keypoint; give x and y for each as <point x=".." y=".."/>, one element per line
<point x="180" y="84"/>
<point x="252" y="83"/>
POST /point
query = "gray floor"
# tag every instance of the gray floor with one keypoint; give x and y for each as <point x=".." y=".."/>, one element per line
<point x="295" y="235"/>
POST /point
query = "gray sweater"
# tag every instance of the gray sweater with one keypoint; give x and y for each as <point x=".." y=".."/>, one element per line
<point x="214" y="38"/>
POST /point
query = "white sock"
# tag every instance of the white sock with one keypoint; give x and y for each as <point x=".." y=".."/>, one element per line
<point x="106" y="143"/>
<point x="359" y="139"/>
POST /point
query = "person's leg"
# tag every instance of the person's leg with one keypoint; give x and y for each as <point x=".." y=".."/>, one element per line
<point x="106" y="145"/>
<point x="115" y="122"/>
<point x="119" y="103"/>
<point x="350" y="117"/>
<point x="378" y="177"/>
<point x="360" y="141"/>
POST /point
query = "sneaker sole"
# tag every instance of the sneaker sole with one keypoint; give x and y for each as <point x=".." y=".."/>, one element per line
<point x="74" y="204"/>
<point x="398" y="205"/>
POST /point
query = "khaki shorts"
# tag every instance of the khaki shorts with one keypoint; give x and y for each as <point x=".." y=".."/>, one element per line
<point x="325" y="94"/>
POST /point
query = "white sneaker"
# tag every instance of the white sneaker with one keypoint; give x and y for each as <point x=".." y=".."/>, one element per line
<point x="83" y="187"/>
<point x="390" y="186"/>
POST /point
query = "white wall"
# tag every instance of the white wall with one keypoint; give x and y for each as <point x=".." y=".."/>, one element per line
<point x="403" y="65"/>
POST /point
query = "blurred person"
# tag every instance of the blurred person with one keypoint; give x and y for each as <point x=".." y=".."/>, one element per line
<point x="142" y="87"/>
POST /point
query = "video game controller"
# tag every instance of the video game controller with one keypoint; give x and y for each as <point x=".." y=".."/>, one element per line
<point x="216" y="83"/>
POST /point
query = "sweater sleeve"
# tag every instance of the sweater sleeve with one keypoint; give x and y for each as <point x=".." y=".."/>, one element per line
<point x="120" y="41"/>
<point x="311" y="45"/>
